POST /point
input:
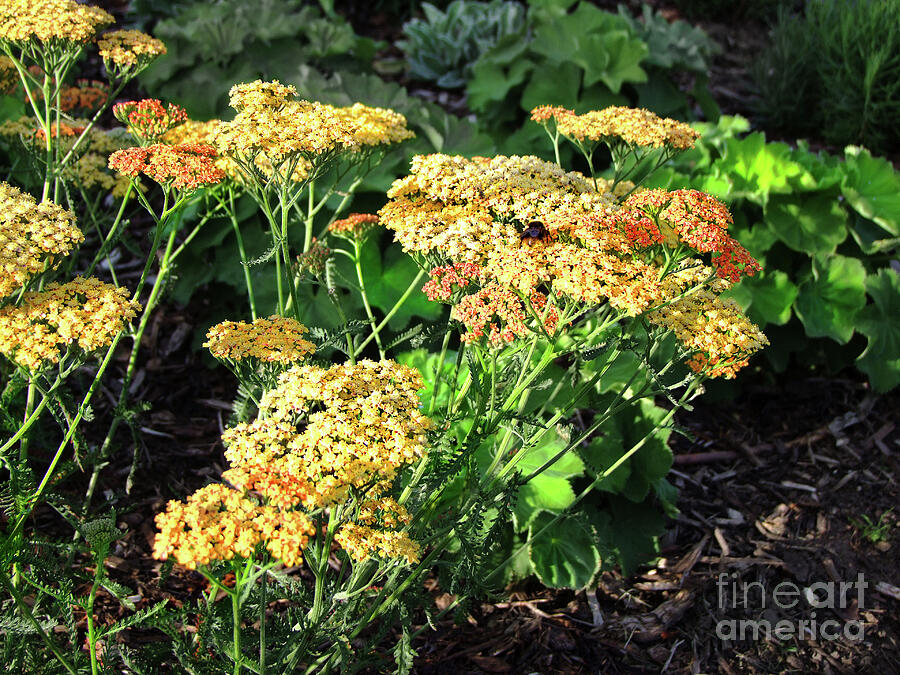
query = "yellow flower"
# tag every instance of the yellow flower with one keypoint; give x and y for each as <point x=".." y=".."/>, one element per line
<point x="276" y="339"/>
<point x="48" y="20"/>
<point x="87" y="313"/>
<point x="129" y="48"/>
<point x="635" y="126"/>
<point x="721" y="337"/>
<point x="33" y="237"/>
<point x="278" y="134"/>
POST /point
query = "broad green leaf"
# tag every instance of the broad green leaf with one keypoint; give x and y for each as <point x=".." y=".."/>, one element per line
<point x="880" y="322"/>
<point x="825" y="170"/>
<point x="873" y="188"/>
<point x="811" y="225"/>
<point x="602" y="452"/>
<point x="766" y="298"/>
<point x="553" y="85"/>
<point x="567" y="466"/>
<point x="492" y="81"/>
<point x="625" y="55"/>
<point x="542" y="493"/>
<point x="388" y="280"/>
<point x="870" y="237"/>
<point x="426" y="363"/>
<point x="757" y="168"/>
<point x="756" y="238"/>
<point x="564" y="555"/>
<point x="632" y="531"/>
<point x="831" y="298"/>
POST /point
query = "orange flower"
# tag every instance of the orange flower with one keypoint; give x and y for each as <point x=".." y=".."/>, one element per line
<point x="187" y="167"/>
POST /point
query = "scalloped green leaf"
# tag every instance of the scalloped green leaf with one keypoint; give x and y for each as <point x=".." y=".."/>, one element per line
<point x="811" y="225"/>
<point x="758" y="169"/>
<point x="830" y="299"/>
<point x="766" y="298"/>
<point x="565" y="554"/>
<point x="542" y="493"/>
<point x="553" y="85"/>
<point x="879" y="321"/>
<point x="872" y="187"/>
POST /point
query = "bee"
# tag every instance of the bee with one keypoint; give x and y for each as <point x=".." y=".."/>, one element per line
<point x="535" y="231"/>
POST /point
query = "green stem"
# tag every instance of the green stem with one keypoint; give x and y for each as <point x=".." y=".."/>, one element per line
<point x="232" y="215"/>
<point x="390" y="314"/>
<point x="357" y="263"/>
<point x="29" y="615"/>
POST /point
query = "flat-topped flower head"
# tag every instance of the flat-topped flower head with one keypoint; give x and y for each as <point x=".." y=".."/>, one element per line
<point x="218" y="522"/>
<point x="186" y="167"/>
<point x="50" y="20"/>
<point x="634" y="126"/>
<point x="376" y="532"/>
<point x="716" y="331"/>
<point x="128" y="51"/>
<point x="148" y="120"/>
<point x="696" y="219"/>
<point x="273" y="125"/>
<point x="33" y="237"/>
<point x="277" y="339"/>
<point x="88" y="313"/>
<point x="355" y="226"/>
<point x="479" y="212"/>
<point x="259" y="94"/>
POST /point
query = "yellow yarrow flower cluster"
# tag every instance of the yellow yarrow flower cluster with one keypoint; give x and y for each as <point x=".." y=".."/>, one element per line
<point x="218" y="523"/>
<point x="129" y="48"/>
<point x="276" y="339"/>
<point x="362" y="424"/>
<point x="635" y="126"/>
<point x="716" y="329"/>
<point x="475" y="211"/>
<point x="84" y="312"/>
<point x="33" y="237"/>
<point x="324" y="435"/>
<point x="277" y="131"/>
<point x="49" y="20"/>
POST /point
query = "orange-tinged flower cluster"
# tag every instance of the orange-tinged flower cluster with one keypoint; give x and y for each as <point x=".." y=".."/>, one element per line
<point x="86" y="97"/>
<point x="475" y="211"/>
<point x="184" y="167"/>
<point x="635" y="126"/>
<point x="355" y="226"/>
<point x="716" y="329"/>
<point x="50" y="20"/>
<point x="123" y="50"/>
<point x="148" y="120"/>
<point x="323" y="436"/>
<point x="276" y="339"/>
<point x="445" y="277"/>
<point x="33" y="237"/>
<point x="218" y="522"/>
<point x="85" y="312"/>
<point x="698" y="220"/>
<point x="272" y="124"/>
<point x="500" y="315"/>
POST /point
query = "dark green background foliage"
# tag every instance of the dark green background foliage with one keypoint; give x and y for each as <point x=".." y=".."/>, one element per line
<point x="833" y="71"/>
<point x="443" y="47"/>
